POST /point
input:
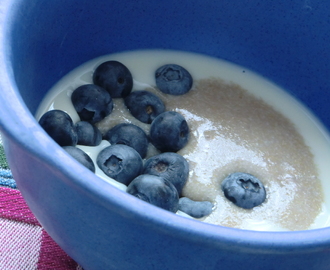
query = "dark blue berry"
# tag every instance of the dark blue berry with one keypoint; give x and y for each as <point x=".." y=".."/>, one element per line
<point x="173" y="79"/>
<point x="169" y="132"/>
<point x="115" y="78"/>
<point x="196" y="209"/>
<point x="244" y="190"/>
<point x="80" y="156"/>
<point x="120" y="162"/>
<point x="170" y="166"/>
<point x="92" y="103"/>
<point x="59" y="126"/>
<point x="155" y="190"/>
<point x="88" y="134"/>
<point x="144" y="106"/>
<point x="130" y="135"/>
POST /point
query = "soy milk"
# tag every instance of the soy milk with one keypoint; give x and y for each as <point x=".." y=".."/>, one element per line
<point x="239" y="121"/>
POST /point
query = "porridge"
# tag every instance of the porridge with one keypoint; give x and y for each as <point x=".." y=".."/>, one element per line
<point x="239" y="122"/>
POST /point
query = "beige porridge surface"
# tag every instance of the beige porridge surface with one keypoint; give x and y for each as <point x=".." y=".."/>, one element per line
<point x="231" y="131"/>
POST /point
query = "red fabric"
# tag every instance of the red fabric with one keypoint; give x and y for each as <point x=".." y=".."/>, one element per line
<point x="13" y="207"/>
<point x="24" y="243"/>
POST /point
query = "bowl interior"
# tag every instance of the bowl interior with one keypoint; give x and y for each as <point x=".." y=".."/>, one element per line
<point x="286" y="42"/>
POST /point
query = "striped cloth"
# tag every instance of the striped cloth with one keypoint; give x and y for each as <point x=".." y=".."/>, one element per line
<point x="24" y="244"/>
<point x="6" y="178"/>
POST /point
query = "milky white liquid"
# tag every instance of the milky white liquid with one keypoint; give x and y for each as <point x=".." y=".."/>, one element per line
<point x="215" y="150"/>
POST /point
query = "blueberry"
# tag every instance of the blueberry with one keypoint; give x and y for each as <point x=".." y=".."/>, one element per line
<point x="155" y="190"/>
<point x="169" y="132"/>
<point x="130" y="135"/>
<point x="92" y="103"/>
<point x="88" y="134"/>
<point x="244" y="190"/>
<point x="115" y="78"/>
<point x="80" y="156"/>
<point x="144" y="106"/>
<point x="59" y="126"/>
<point x="120" y="162"/>
<point x="196" y="209"/>
<point x="170" y="166"/>
<point x="173" y="79"/>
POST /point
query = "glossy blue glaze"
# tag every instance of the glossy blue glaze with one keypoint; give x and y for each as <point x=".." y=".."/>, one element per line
<point x="100" y="226"/>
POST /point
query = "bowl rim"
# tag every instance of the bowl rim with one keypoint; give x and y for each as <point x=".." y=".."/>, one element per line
<point x="15" y="111"/>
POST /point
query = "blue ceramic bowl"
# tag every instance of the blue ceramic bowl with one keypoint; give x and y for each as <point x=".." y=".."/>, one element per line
<point x="100" y="226"/>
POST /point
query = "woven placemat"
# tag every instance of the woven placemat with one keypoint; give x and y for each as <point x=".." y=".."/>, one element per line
<point x="6" y="177"/>
<point x="24" y="244"/>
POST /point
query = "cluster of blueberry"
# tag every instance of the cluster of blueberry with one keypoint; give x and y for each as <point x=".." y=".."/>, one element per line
<point x="160" y="179"/>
